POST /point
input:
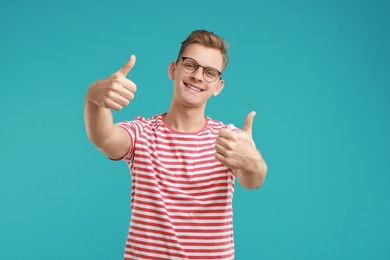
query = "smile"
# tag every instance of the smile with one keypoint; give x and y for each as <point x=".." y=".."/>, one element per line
<point x="193" y="88"/>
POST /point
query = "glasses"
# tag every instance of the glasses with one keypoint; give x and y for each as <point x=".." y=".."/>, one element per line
<point x="190" y="65"/>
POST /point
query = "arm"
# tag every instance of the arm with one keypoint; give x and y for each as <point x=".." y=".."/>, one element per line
<point x="253" y="174"/>
<point x="113" y="92"/>
<point x="238" y="151"/>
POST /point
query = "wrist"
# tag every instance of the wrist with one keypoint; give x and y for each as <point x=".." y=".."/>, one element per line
<point x="254" y="165"/>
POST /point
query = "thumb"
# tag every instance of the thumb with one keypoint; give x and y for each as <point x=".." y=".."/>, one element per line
<point x="128" y="66"/>
<point x="249" y="122"/>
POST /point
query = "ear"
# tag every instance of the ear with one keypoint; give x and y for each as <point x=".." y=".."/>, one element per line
<point x="219" y="87"/>
<point x="171" y="70"/>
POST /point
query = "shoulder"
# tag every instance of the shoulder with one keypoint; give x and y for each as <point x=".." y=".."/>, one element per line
<point x="217" y="125"/>
<point x="142" y="122"/>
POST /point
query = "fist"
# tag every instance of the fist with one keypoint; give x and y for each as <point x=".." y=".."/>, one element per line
<point x="116" y="91"/>
<point x="237" y="150"/>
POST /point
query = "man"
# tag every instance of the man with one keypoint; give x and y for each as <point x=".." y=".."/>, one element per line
<point x="183" y="164"/>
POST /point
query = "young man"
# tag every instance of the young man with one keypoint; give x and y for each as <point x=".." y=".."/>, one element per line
<point x="183" y="164"/>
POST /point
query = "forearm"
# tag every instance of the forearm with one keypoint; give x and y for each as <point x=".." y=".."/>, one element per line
<point x="98" y="123"/>
<point x="253" y="175"/>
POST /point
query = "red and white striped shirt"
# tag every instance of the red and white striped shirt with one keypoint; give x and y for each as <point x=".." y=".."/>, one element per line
<point x="181" y="199"/>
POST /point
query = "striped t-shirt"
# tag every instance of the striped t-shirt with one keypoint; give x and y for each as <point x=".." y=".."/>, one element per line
<point x="181" y="198"/>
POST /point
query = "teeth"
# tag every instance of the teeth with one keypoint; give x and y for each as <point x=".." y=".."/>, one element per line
<point x="194" y="88"/>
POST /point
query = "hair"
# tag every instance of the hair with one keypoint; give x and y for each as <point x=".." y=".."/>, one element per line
<point x="207" y="39"/>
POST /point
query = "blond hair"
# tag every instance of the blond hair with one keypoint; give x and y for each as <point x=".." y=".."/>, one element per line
<point x="207" y="39"/>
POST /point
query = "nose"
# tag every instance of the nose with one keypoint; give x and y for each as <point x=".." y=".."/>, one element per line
<point x="198" y="74"/>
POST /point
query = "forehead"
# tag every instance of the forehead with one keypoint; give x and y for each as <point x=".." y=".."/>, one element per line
<point x="205" y="56"/>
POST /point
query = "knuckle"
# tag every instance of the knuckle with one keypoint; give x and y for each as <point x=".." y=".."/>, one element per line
<point x="229" y="153"/>
<point x="111" y="93"/>
<point x="115" y="77"/>
<point x="106" y="101"/>
<point x="116" y="86"/>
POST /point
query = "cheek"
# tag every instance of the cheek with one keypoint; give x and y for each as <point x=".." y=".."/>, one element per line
<point x="177" y="75"/>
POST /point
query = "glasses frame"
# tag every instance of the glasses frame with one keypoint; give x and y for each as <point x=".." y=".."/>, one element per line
<point x="204" y="69"/>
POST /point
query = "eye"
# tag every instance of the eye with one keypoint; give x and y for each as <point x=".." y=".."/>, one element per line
<point x="190" y="65"/>
<point x="211" y="73"/>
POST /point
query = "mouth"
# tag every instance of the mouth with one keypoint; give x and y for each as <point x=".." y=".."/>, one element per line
<point x="194" y="88"/>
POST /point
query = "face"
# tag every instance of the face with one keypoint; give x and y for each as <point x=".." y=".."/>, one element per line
<point x="191" y="89"/>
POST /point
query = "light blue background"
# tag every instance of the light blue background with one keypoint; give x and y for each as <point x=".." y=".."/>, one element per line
<point x="316" y="72"/>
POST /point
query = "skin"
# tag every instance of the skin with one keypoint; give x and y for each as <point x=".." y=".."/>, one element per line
<point x="186" y="114"/>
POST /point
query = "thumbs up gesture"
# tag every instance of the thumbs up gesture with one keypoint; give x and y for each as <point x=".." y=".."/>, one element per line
<point x="116" y="91"/>
<point x="237" y="150"/>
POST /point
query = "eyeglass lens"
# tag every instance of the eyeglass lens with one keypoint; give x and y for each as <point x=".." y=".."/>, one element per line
<point x="190" y="66"/>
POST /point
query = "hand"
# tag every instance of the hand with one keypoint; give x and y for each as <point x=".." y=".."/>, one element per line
<point x="237" y="150"/>
<point x="116" y="91"/>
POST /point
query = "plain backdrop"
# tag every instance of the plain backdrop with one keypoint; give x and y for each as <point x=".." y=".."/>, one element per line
<point x="316" y="73"/>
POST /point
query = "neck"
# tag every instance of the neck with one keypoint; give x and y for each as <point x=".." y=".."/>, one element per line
<point x="187" y="120"/>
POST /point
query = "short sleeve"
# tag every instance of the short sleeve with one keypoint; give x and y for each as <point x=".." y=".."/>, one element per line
<point x="233" y="128"/>
<point x="133" y="129"/>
